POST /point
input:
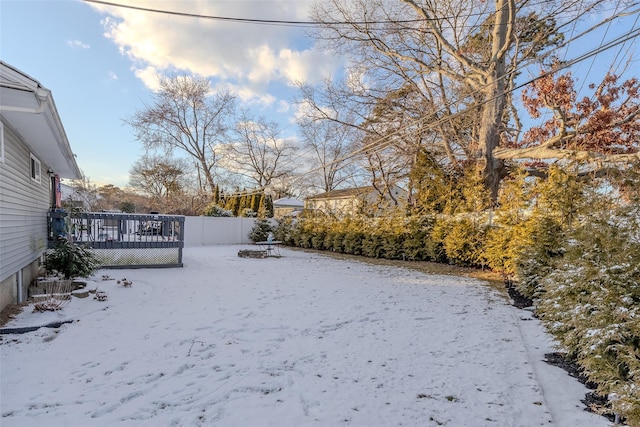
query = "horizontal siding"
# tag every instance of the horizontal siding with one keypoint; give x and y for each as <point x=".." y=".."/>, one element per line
<point x="23" y="207"/>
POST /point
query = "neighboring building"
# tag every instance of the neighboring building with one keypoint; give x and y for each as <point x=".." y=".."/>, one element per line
<point x="287" y="207"/>
<point x="34" y="155"/>
<point x="354" y="200"/>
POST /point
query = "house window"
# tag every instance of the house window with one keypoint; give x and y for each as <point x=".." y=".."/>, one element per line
<point x="1" y="142"/>
<point x="35" y="169"/>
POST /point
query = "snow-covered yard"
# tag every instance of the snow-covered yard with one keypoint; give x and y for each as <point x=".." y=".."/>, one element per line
<point x="302" y="340"/>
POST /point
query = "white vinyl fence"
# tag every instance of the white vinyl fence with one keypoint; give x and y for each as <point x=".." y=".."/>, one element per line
<point x="206" y="230"/>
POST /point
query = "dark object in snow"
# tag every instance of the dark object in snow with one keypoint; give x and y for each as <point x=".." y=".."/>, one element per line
<point x="593" y="401"/>
<point x="126" y="283"/>
<point x="519" y="300"/>
<point x="247" y="253"/>
<point x="25" y="329"/>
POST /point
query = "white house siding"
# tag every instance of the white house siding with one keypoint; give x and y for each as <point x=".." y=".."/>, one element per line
<point x="23" y="218"/>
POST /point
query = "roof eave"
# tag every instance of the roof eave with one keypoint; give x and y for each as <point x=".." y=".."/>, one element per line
<point x="31" y="111"/>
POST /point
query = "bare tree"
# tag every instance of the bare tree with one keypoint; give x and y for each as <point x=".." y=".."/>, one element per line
<point x="158" y="176"/>
<point x="258" y="152"/>
<point x="186" y="116"/>
<point x="328" y="144"/>
<point x="442" y="68"/>
<point x="84" y="194"/>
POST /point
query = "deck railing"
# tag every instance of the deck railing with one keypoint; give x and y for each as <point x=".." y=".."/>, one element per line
<point x="123" y="240"/>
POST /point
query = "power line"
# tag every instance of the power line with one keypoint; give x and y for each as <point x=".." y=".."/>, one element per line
<point x="245" y="20"/>
<point x="289" y="23"/>
<point x="386" y="141"/>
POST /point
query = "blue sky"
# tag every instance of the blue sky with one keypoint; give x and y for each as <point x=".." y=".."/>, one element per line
<point x="101" y="63"/>
<point x="61" y="44"/>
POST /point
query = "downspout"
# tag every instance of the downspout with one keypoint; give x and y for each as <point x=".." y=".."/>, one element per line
<point x="20" y="296"/>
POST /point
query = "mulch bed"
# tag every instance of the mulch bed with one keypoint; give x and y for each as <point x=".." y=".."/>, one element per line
<point x="10" y="312"/>
<point x="593" y="401"/>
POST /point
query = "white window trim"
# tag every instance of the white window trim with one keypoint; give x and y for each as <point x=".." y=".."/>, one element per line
<point x="35" y="169"/>
<point x="1" y="142"/>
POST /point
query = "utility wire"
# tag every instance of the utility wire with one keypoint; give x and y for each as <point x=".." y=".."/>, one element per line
<point x="242" y="20"/>
<point x="387" y="141"/>
<point x="289" y="23"/>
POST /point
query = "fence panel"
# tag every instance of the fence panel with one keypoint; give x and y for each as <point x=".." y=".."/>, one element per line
<point x="207" y="230"/>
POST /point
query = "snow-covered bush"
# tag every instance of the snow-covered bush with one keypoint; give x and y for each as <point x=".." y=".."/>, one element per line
<point x="538" y="246"/>
<point x="260" y="230"/>
<point x="70" y="260"/>
<point x="285" y="230"/>
<point x="214" y="210"/>
<point x="591" y="304"/>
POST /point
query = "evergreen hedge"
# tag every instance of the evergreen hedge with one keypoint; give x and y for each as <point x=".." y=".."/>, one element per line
<point x="591" y="303"/>
<point x="562" y="241"/>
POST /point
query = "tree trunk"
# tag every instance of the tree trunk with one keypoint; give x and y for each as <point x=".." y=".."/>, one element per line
<point x="207" y="174"/>
<point x="494" y="98"/>
<point x="489" y="138"/>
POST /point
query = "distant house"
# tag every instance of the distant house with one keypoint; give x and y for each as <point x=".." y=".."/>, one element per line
<point x="287" y="207"/>
<point x="34" y="155"/>
<point x="350" y="201"/>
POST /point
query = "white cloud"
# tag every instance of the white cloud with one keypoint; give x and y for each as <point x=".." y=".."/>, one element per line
<point x="251" y="58"/>
<point x="77" y="44"/>
<point x="283" y="106"/>
<point x="149" y="75"/>
<point x="306" y="65"/>
<point x="113" y="75"/>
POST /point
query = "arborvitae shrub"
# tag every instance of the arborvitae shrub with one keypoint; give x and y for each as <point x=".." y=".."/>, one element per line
<point x="416" y="246"/>
<point x="393" y="247"/>
<point x="371" y="245"/>
<point x="545" y="245"/>
<point x="505" y="238"/>
<point x="591" y="304"/>
<point x="317" y="240"/>
<point x="337" y="242"/>
<point x="462" y="240"/>
<point x="285" y="231"/>
<point x="327" y="244"/>
<point x="214" y="210"/>
<point x="303" y="240"/>
<point x="353" y="242"/>
<point x="500" y="251"/>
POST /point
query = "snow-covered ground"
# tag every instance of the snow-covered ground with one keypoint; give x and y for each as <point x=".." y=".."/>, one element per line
<point x="302" y="340"/>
